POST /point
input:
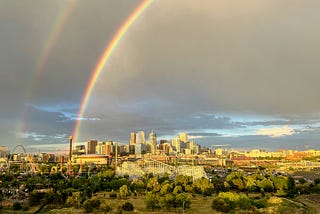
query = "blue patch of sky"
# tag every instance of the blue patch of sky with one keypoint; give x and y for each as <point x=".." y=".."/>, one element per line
<point x="68" y="111"/>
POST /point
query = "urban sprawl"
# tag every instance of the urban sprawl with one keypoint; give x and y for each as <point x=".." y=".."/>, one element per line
<point x="159" y="175"/>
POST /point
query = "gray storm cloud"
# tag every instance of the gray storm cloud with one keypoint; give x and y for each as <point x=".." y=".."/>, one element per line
<point x="221" y="56"/>
<point x="180" y="59"/>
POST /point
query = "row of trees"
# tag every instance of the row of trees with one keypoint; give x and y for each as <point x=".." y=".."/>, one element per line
<point x="228" y="201"/>
<point x="280" y="185"/>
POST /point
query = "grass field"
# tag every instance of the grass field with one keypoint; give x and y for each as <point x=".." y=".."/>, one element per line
<point x="202" y="205"/>
<point x="312" y="201"/>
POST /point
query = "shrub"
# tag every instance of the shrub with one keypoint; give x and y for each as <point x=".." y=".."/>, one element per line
<point x="105" y="208"/>
<point x="17" y="206"/>
<point x="25" y="208"/>
<point x="244" y="203"/>
<point x="90" y="204"/>
<point x="127" y="206"/>
<point x="228" y="201"/>
<point x="260" y="203"/>
<point x="113" y="194"/>
<point x="221" y="205"/>
<point x="72" y="201"/>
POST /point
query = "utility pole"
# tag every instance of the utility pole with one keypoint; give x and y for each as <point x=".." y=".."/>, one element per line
<point x="70" y="150"/>
<point x="116" y="160"/>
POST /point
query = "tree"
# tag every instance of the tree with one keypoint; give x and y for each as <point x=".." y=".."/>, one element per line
<point x="152" y="201"/>
<point x="225" y="202"/>
<point x="153" y="185"/>
<point x="165" y="189"/>
<point x="221" y="205"/>
<point x="90" y="204"/>
<point x="302" y="181"/>
<point x="244" y="203"/>
<point x="177" y="189"/>
<point x="182" y="200"/>
<point x="203" y="186"/>
<point x="251" y="184"/>
<point x="124" y="191"/>
<point x="168" y="201"/>
<point x="236" y="180"/>
<point x="266" y="185"/>
<point x="137" y="186"/>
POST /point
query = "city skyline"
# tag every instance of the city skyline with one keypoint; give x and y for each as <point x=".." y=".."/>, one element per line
<point x="237" y="75"/>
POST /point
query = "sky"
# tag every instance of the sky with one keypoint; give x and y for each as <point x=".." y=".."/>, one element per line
<point x="232" y="74"/>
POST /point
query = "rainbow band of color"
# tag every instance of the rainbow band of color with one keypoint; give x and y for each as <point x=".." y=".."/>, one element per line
<point x="104" y="59"/>
<point x="48" y="46"/>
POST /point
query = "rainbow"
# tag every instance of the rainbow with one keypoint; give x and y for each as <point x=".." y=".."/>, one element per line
<point x="47" y="47"/>
<point x="52" y="39"/>
<point x="104" y="59"/>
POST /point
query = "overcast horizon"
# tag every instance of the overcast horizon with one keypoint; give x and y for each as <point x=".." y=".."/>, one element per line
<point x="232" y="74"/>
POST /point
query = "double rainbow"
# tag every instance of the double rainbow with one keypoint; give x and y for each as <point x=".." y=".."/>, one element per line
<point x="104" y="59"/>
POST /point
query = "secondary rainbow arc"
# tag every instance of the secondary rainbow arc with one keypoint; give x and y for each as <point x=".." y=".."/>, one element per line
<point x="104" y="59"/>
<point x="48" y="45"/>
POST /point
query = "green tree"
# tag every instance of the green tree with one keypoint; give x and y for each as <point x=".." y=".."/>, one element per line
<point x="90" y="204"/>
<point x="203" y="186"/>
<point x="244" y="203"/>
<point x="177" y="189"/>
<point x="251" y="184"/>
<point x="182" y="200"/>
<point x="225" y="202"/>
<point x="266" y="185"/>
<point x="137" y="186"/>
<point x="124" y="191"/>
<point x="165" y="189"/>
<point x="153" y="185"/>
<point x="236" y="180"/>
<point x="168" y="201"/>
<point x="152" y="201"/>
<point x="221" y="205"/>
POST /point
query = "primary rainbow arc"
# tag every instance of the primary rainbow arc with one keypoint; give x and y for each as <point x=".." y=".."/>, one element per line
<point x="104" y="59"/>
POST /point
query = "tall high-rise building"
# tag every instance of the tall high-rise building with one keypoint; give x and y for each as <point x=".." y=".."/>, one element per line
<point x="183" y="137"/>
<point x="109" y="147"/>
<point x="132" y="138"/>
<point x="91" y="146"/>
<point x="140" y="137"/>
<point x="176" y="144"/>
<point x="153" y="142"/>
<point x="101" y="148"/>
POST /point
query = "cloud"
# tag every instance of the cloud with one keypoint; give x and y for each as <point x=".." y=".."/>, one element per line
<point x="193" y="137"/>
<point x="33" y="136"/>
<point x="179" y="67"/>
<point x="276" y="131"/>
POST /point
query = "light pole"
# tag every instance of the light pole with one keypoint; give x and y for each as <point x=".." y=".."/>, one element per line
<point x="183" y="207"/>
